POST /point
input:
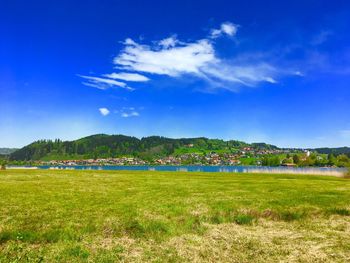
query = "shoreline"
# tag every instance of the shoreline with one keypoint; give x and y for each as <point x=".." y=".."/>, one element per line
<point x="335" y="172"/>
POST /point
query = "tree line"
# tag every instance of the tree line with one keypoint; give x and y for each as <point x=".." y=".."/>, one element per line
<point x="107" y="146"/>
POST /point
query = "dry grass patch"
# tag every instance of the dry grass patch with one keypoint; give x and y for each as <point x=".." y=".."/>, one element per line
<point x="267" y="241"/>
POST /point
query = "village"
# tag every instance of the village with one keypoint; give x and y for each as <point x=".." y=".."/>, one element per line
<point x="211" y="158"/>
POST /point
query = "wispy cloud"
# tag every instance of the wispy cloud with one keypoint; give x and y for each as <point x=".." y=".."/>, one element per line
<point x="130" y="114"/>
<point x="312" y="55"/>
<point x="321" y="37"/>
<point x="174" y="58"/>
<point x="195" y="58"/>
<point x="104" y="111"/>
<point x="127" y="77"/>
<point x="127" y="112"/>
<point x="103" y="83"/>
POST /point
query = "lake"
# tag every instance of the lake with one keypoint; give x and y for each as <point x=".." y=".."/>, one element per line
<point x="198" y="168"/>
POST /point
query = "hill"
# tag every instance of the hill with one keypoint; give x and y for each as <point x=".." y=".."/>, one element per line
<point x="146" y="148"/>
<point x="105" y="146"/>
<point x="334" y="151"/>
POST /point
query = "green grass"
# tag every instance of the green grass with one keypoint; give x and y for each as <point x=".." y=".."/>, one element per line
<point x="105" y="216"/>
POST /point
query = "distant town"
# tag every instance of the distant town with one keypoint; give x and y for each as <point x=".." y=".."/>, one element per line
<point x="246" y="157"/>
<point x="120" y="150"/>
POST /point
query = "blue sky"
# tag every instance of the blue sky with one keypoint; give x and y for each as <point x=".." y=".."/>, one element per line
<point x="271" y="71"/>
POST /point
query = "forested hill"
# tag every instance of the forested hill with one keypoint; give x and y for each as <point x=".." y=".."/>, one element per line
<point x="105" y="146"/>
<point x="334" y="151"/>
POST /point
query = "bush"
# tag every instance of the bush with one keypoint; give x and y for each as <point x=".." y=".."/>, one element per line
<point x="3" y="164"/>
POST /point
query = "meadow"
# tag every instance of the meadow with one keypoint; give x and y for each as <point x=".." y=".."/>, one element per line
<point x="111" y="216"/>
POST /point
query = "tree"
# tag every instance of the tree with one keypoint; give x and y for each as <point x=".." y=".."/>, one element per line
<point x="331" y="159"/>
<point x="343" y="160"/>
<point x="271" y="161"/>
<point x="3" y="164"/>
<point x="296" y="159"/>
<point x="313" y="157"/>
<point x="287" y="161"/>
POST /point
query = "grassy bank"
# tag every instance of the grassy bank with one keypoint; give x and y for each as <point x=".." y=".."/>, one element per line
<point x="106" y="216"/>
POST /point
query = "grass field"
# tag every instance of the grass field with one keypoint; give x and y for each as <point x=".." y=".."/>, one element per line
<point x="104" y="216"/>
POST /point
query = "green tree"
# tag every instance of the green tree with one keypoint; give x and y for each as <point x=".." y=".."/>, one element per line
<point x="271" y="161"/>
<point x="287" y="160"/>
<point x="331" y="159"/>
<point x="343" y="160"/>
<point x="3" y="164"/>
<point x="296" y="159"/>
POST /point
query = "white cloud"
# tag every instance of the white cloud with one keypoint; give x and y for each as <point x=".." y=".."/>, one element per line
<point x="196" y="58"/>
<point x="227" y="28"/>
<point x="104" y="111"/>
<point x="127" y="112"/>
<point x="103" y="83"/>
<point x="174" y="58"/>
<point x="298" y="73"/>
<point x="127" y="77"/>
<point x="130" y="114"/>
<point x="168" y="42"/>
<point x="171" y="61"/>
<point x="246" y="75"/>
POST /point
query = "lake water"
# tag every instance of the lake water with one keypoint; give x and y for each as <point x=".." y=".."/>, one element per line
<point x="198" y="168"/>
